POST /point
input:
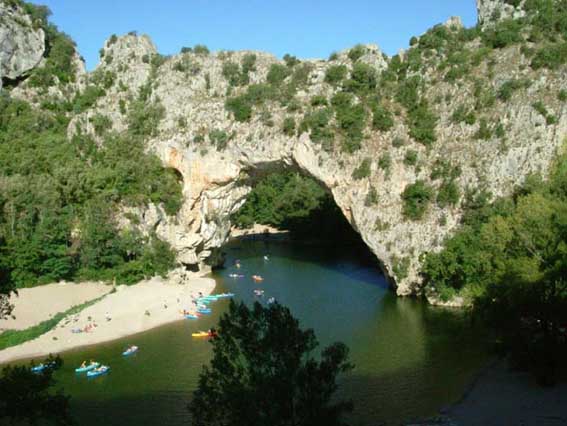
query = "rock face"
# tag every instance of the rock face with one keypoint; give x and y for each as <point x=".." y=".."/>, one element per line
<point x="21" y="45"/>
<point x="491" y="11"/>
<point x="516" y="140"/>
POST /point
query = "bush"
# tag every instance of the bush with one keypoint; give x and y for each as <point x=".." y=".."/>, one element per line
<point x="351" y="119"/>
<point x="290" y="61"/>
<point x="219" y="138"/>
<point x="382" y="118"/>
<point x="357" y="52"/>
<point x="385" y="162"/>
<point x="410" y="158"/>
<point x="319" y="100"/>
<point x="422" y="124"/>
<point x="335" y="74"/>
<point x="240" y="107"/>
<point x="463" y="115"/>
<point x="551" y="56"/>
<point x="371" y="198"/>
<point x="277" y="74"/>
<point x="317" y="122"/>
<point x="416" y="198"/>
<point x="484" y="131"/>
<point x="201" y="49"/>
<point x="503" y="34"/>
<point x="231" y="71"/>
<point x="449" y="193"/>
<point x="362" y="171"/>
<point x="509" y="87"/>
<point x="362" y="80"/>
<point x="288" y="126"/>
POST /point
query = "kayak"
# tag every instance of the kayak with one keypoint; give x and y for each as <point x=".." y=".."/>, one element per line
<point x="225" y="295"/>
<point x="211" y="298"/>
<point x="191" y="316"/>
<point x="204" y="311"/>
<point x="206" y="301"/>
<point x="201" y="334"/>
<point x="87" y="368"/>
<point x="98" y="372"/>
<point x="131" y="350"/>
<point x="38" y="368"/>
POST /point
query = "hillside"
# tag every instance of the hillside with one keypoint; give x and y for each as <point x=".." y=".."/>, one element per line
<point x="405" y="144"/>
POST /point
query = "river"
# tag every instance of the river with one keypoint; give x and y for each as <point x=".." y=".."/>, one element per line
<point x="410" y="359"/>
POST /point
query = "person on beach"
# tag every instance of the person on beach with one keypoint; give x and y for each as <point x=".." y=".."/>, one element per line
<point x="107" y="316"/>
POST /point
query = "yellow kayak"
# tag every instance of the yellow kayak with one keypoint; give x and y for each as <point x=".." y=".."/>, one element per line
<point x="200" y="334"/>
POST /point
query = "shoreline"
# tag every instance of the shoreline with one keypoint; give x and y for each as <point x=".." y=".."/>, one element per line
<point x="127" y="311"/>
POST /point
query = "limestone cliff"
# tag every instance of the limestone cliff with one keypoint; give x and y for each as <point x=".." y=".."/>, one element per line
<point x="218" y="156"/>
<point x="22" y="44"/>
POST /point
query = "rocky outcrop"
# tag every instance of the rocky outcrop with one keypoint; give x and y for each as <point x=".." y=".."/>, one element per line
<point x="21" y="44"/>
<point x="492" y="11"/>
<point x="515" y="140"/>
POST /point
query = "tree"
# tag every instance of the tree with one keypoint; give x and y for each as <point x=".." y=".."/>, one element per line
<point x="262" y="372"/>
<point x="25" y="397"/>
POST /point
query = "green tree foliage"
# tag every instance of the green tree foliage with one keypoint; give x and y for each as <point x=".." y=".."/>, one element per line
<point x="416" y="197"/>
<point x="362" y="80"/>
<point x="357" y="52"/>
<point x="201" y="49"/>
<point x="277" y="74"/>
<point x="280" y="383"/>
<point x="335" y="74"/>
<point x="382" y="118"/>
<point x="51" y="185"/>
<point x="27" y="398"/>
<point x="509" y="259"/>
<point x="363" y="170"/>
<point x="288" y="127"/>
<point x="351" y="119"/>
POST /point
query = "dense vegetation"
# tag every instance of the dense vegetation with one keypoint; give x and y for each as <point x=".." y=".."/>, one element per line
<point x="510" y="260"/>
<point x="27" y="398"/>
<point x="263" y="372"/>
<point x="288" y="200"/>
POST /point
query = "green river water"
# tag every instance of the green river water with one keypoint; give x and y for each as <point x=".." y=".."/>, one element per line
<point x="411" y="359"/>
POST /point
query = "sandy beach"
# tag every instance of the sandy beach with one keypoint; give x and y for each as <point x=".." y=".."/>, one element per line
<point x="126" y="311"/>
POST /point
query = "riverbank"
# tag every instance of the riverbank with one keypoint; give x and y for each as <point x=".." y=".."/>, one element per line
<point x="127" y="310"/>
<point x="499" y="396"/>
<point x="260" y="232"/>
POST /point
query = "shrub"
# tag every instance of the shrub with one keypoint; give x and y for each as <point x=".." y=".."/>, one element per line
<point x="144" y="119"/>
<point x="410" y="158"/>
<point x="319" y="100"/>
<point x="416" y="198"/>
<point x="385" y="162"/>
<point x="357" y="52"/>
<point x="201" y="49"/>
<point x="288" y="126"/>
<point x="484" y="131"/>
<point x="317" y="122"/>
<point x="398" y="142"/>
<point x="277" y="74"/>
<point x="363" y="170"/>
<point x="290" y="61"/>
<point x="241" y="108"/>
<point x="335" y="74"/>
<point x="463" y="115"/>
<point x="551" y="56"/>
<point x="503" y="34"/>
<point x="101" y="124"/>
<point x="562" y="95"/>
<point x="333" y="56"/>
<point x="371" y="198"/>
<point x="448" y="194"/>
<point x="382" y="118"/>
<point x="362" y="80"/>
<point x="231" y="71"/>
<point x="249" y="63"/>
<point x="422" y="124"/>
<point x="219" y="138"/>
<point x="509" y="87"/>
<point x="351" y="119"/>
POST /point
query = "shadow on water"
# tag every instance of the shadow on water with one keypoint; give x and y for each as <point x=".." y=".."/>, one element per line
<point x="411" y="359"/>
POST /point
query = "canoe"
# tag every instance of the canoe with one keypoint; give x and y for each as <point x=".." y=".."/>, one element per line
<point x="130" y="351"/>
<point x="206" y="301"/>
<point x="191" y="316"/>
<point x="212" y="298"/>
<point x="200" y="334"/>
<point x="87" y="368"/>
<point x="38" y="368"/>
<point x="225" y="295"/>
<point x="204" y="311"/>
<point x="103" y="370"/>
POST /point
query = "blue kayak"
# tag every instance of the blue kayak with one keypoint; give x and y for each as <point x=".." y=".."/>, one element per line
<point x="38" y="368"/>
<point x="210" y="297"/>
<point x="204" y="311"/>
<point x="225" y="295"/>
<point x="87" y="368"/>
<point x="206" y="301"/>
<point x="131" y="350"/>
<point x="98" y="372"/>
<point x="191" y="316"/>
